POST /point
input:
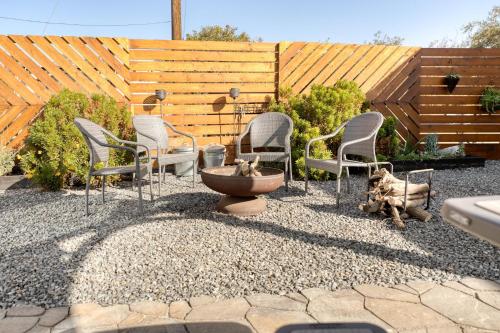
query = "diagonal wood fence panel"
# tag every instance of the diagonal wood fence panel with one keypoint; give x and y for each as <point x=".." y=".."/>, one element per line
<point x="405" y="82"/>
<point x="387" y="74"/>
<point x="33" y="68"/>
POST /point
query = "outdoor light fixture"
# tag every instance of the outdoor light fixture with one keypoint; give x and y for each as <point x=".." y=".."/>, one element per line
<point x="237" y="110"/>
<point x="234" y="92"/>
<point x="161" y="94"/>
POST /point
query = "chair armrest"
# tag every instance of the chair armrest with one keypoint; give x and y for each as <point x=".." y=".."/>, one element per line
<point x="182" y="133"/>
<point x="109" y="145"/>
<point x="323" y="137"/>
<point x="133" y="143"/>
<point x="240" y="137"/>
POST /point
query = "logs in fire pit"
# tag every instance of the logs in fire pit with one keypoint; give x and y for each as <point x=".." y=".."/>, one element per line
<point x="397" y="198"/>
<point x="247" y="168"/>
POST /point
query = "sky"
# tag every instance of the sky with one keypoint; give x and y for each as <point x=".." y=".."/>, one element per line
<point x="353" y="21"/>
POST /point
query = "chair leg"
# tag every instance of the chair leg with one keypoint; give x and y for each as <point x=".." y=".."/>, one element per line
<point x="133" y="182"/>
<point x="290" y="170"/>
<point x="368" y="184"/>
<point x="139" y="188"/>
<point x="164" y="173"/>
<point x="348" y="181"/>
<point x="87" y="186"/>
<point x="194" y="172"/>
<point x="103" y="187"/>
<point x="306" y="178"/>
<point x="151" y="182"/>
<point x="287" y="176"/>
<point x="338" y="186"/>
<point x="159" y="179"/>
<point x="338" y="191"/>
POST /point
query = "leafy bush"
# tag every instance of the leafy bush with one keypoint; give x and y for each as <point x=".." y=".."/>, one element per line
<point x="318" y="113"/>
<point x="6" y="160"/>
<point x="490" y="100"/>
<point x="388" y="142"/>
<point x="56" y="154"/>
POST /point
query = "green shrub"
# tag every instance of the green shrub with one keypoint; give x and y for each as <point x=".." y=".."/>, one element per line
<point x="388" y="142"/>
<point x="7" y="156"/>
<point x="55" y="154"/>
<point x="490" y="100"/>
<point x="318" y="113"/>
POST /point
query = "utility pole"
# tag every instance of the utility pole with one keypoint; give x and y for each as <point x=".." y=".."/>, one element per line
<point x="176" y="19"/>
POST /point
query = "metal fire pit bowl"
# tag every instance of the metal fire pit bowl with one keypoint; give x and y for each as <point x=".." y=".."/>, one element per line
<point x="241" y="192"/>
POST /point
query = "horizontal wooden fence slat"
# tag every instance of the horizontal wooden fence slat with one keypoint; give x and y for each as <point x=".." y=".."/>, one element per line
<point x="203" y="56"/>
<point x="202" y="66"/>
<point x="460" y="70"/>
<point x="443" y="90"/>
<point x="459" y="52"/>
<point x="195" y="109"/>
<point x="450" y="109"/>
<point x="203" y="87"/>
<point x="464" y="80"/>
<point x="204" y="45"/>
<point x="462" y="128"/>
<point x="468" y="138"/>
<point x="203" y="98"/>
<point x="172" y="77"/>
<point x="463" y="61"/>
<point x="450" y="99"/>
<point x="451" y="119"/>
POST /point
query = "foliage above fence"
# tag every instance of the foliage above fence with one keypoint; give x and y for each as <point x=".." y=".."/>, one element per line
<point x="406" y="82"/>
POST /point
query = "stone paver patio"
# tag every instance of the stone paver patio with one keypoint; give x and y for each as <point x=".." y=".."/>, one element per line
<point x="469" y="306"/>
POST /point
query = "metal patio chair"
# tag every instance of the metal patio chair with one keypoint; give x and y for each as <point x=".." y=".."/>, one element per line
<point x="358" y="139"/>
<point x="152" y="133"/>
<point x="95" y="137"/>
<point x="269" y="130"/>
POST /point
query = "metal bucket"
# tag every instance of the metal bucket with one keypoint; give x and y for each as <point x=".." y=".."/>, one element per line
<point x="214" y="155"/>
<point x="184" y="168"/>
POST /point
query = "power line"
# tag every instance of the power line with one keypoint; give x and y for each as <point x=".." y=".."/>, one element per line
<point x="80" y="24"/>
<point x="50" y="17"/>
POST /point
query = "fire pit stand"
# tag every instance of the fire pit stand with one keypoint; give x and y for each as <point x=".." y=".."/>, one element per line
<point x="241" y="191"/>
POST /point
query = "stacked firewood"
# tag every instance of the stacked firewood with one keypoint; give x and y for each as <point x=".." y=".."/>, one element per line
<point x="247" y="168"/>
<point x="387" y="198"/>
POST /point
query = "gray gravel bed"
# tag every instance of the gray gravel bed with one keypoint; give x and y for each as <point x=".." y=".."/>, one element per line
<point x="51" y="254"/>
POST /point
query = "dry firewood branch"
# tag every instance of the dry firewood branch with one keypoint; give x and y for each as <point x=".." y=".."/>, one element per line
<point x="398" y="198"/>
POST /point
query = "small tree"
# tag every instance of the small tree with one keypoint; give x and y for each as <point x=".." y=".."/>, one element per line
<point x="379" y="39"/>
<point x="447" y="43"/>
<point x="485" y="33"/>
<point x="219" y="33"/>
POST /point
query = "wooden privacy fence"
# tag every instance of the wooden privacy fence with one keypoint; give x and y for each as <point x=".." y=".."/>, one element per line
<point x="406" y="82"/>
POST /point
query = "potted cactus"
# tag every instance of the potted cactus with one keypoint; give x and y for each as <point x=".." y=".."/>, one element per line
<point x="451" y="81"/>
<point x="431" y="144"/>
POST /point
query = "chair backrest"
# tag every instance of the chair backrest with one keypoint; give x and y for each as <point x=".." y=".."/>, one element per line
<point x="98" y="153"/>
<point x="270" y="129"/>
<point x="365" y="125"/>
<point x="153" y="127"/>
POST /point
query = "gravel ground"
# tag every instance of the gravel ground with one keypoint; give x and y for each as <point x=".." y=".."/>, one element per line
<point x="51" y="254"/>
